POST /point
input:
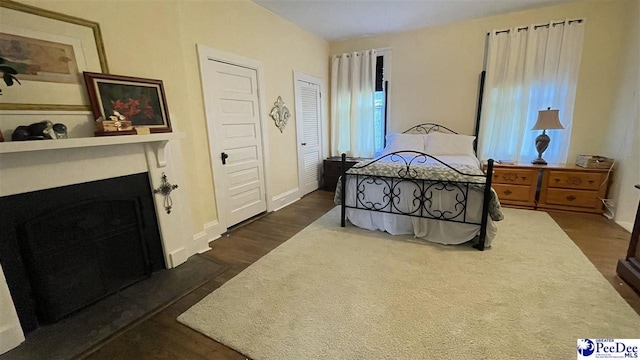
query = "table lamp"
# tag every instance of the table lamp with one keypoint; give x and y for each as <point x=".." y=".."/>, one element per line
<point x="547" y="120"/>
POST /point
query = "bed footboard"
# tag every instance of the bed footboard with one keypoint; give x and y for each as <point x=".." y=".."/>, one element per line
<point x="423" y="193"/>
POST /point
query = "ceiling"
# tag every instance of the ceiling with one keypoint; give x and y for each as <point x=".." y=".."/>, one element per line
<point x="344" y="19"/>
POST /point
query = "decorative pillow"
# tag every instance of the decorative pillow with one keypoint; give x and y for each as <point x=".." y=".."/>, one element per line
<point x="449" y="144"/>
<point x="403" y="142"/>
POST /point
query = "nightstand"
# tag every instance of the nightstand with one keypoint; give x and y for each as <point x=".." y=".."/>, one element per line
<point x="333" y="169"/>
<point x="550" y="187"/>
<point x="516" y="184"/>
<point x="573" y="188"/>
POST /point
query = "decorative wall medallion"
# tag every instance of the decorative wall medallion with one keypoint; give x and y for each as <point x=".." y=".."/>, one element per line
<point x="280" y="114"/>
<point x="165" y="189"/>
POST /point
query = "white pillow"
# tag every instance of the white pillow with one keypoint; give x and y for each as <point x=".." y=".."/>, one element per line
<point x="403" y="142"/>
<point x="449" y="144"/>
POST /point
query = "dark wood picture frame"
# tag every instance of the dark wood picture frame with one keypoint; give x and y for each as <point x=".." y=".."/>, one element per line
<point x="141" y="101"/>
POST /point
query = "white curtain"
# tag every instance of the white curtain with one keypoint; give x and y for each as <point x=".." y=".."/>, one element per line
<point x="352" y="102"/>
<point x="528" y="70"/>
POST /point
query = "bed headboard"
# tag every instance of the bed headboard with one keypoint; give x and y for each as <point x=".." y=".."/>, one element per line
<point x="427" y="128"/>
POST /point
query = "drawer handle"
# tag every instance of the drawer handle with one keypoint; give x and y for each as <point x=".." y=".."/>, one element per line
<point x="574" y="180"/>
<point x="571" y="197"/>
<point x="507" y="192"/>
<point x="510" y="177"/>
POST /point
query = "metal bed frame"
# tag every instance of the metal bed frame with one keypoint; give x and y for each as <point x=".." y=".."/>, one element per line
<point x="424" y="190"/>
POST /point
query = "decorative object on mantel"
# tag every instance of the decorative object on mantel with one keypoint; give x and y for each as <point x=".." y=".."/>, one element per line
<point x="51" y="76"/>
<point x="127" y="99"/>
<point x="280" y="114"/>
<point x="165" y="189"/>
<point x="547" y="120"/>
<point x="43" y="130"/>
<point x="116" y="123"/>
<point x="60" y="131"/>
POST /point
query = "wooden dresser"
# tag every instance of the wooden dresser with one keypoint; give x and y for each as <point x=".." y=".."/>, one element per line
<point x="332" y="171"/>
<point x="551" y="187"/>
<point x="573" y="188"/>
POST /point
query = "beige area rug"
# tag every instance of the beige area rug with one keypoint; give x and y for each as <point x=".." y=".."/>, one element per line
<point x="334" y="293"/>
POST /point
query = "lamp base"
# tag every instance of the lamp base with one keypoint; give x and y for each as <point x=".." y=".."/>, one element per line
<point x="542" y="141"/>
<point x="539" y="161"/>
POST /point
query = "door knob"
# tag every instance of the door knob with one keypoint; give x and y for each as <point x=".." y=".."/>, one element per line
<point x="224" y="157"/>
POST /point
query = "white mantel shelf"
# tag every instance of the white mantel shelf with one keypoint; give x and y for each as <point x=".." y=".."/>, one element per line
<point x="159" y="140"/>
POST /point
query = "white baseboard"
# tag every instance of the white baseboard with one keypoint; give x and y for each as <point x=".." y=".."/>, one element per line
<point x="10" y="337"/>
<point x="212" y="231"/>
<point x="178" y="256"/>
<point x="626" y="225"/>
<point x="285" y="199"/>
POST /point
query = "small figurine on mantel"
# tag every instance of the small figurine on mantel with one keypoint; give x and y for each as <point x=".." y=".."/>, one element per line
<point x="116" y="125"/>
<point x="42" y="130"/>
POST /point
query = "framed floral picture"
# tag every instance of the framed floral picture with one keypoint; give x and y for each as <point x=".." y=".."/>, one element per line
<point x="141" y="101"/>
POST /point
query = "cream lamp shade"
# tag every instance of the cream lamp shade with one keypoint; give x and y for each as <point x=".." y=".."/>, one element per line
<point x="547" y="120"/>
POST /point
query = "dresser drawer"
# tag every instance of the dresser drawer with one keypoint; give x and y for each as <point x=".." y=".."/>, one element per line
<point x="514" y="193"/>
<point x="573" y="198"/>
<point x="574" y="180"/>
<point x="515" y="176"/>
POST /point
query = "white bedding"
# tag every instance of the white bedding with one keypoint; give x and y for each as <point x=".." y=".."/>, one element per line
<point x="442" y="232"/>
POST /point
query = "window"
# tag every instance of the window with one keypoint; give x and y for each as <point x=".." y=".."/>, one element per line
<point x="380" y="99"/>
<point x="529" y="69"/>
<point x="359" y="102"/>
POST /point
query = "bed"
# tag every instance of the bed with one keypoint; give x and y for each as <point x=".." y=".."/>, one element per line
<point x="427" y="182"/>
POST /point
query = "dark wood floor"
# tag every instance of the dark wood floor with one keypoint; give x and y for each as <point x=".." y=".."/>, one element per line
<point x="162" y="337"/>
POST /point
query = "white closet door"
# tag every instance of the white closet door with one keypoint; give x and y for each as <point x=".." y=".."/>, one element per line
<point x="237" y="151"/>
<point x="309" y="125"/>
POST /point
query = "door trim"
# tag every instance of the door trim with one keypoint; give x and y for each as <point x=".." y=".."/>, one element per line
<point x="299" y="76"/>
<point x="205" y="54"/>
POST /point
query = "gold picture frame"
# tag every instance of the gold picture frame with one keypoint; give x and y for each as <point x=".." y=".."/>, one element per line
<point x="61" y="36"/>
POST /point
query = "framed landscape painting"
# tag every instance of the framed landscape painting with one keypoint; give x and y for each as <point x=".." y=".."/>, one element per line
<point x="49" y="51"/>
<point x="141" y="101"/>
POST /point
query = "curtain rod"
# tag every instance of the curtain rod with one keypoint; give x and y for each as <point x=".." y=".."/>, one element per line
<point x="539" y="26"/>
<point x="381" y="49"/>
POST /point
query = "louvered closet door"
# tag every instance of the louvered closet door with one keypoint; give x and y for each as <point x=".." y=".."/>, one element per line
<point x="308" y="123"/>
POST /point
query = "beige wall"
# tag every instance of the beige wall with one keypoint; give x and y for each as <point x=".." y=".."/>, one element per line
<point x="622" y="141"/>
<point x="157" y="39"/>
<point x="435" y="70"/>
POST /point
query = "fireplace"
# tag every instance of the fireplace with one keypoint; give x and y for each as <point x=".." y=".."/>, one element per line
<point x="65" y="248"/>
<point x="29" y="167"/>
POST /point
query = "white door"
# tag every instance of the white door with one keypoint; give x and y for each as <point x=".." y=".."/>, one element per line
<point x="234" y="126"/>
<point x="309" y="134"/>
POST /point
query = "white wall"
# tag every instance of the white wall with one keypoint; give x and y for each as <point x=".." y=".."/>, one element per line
<point x="157" y="39"/>
<point x="435" y="70"/>
<point x="622" y="140"/>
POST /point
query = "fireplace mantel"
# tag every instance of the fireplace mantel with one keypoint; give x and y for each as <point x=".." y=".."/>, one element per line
<point x="36" y="165"/>
<point x="160" y="141"/>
